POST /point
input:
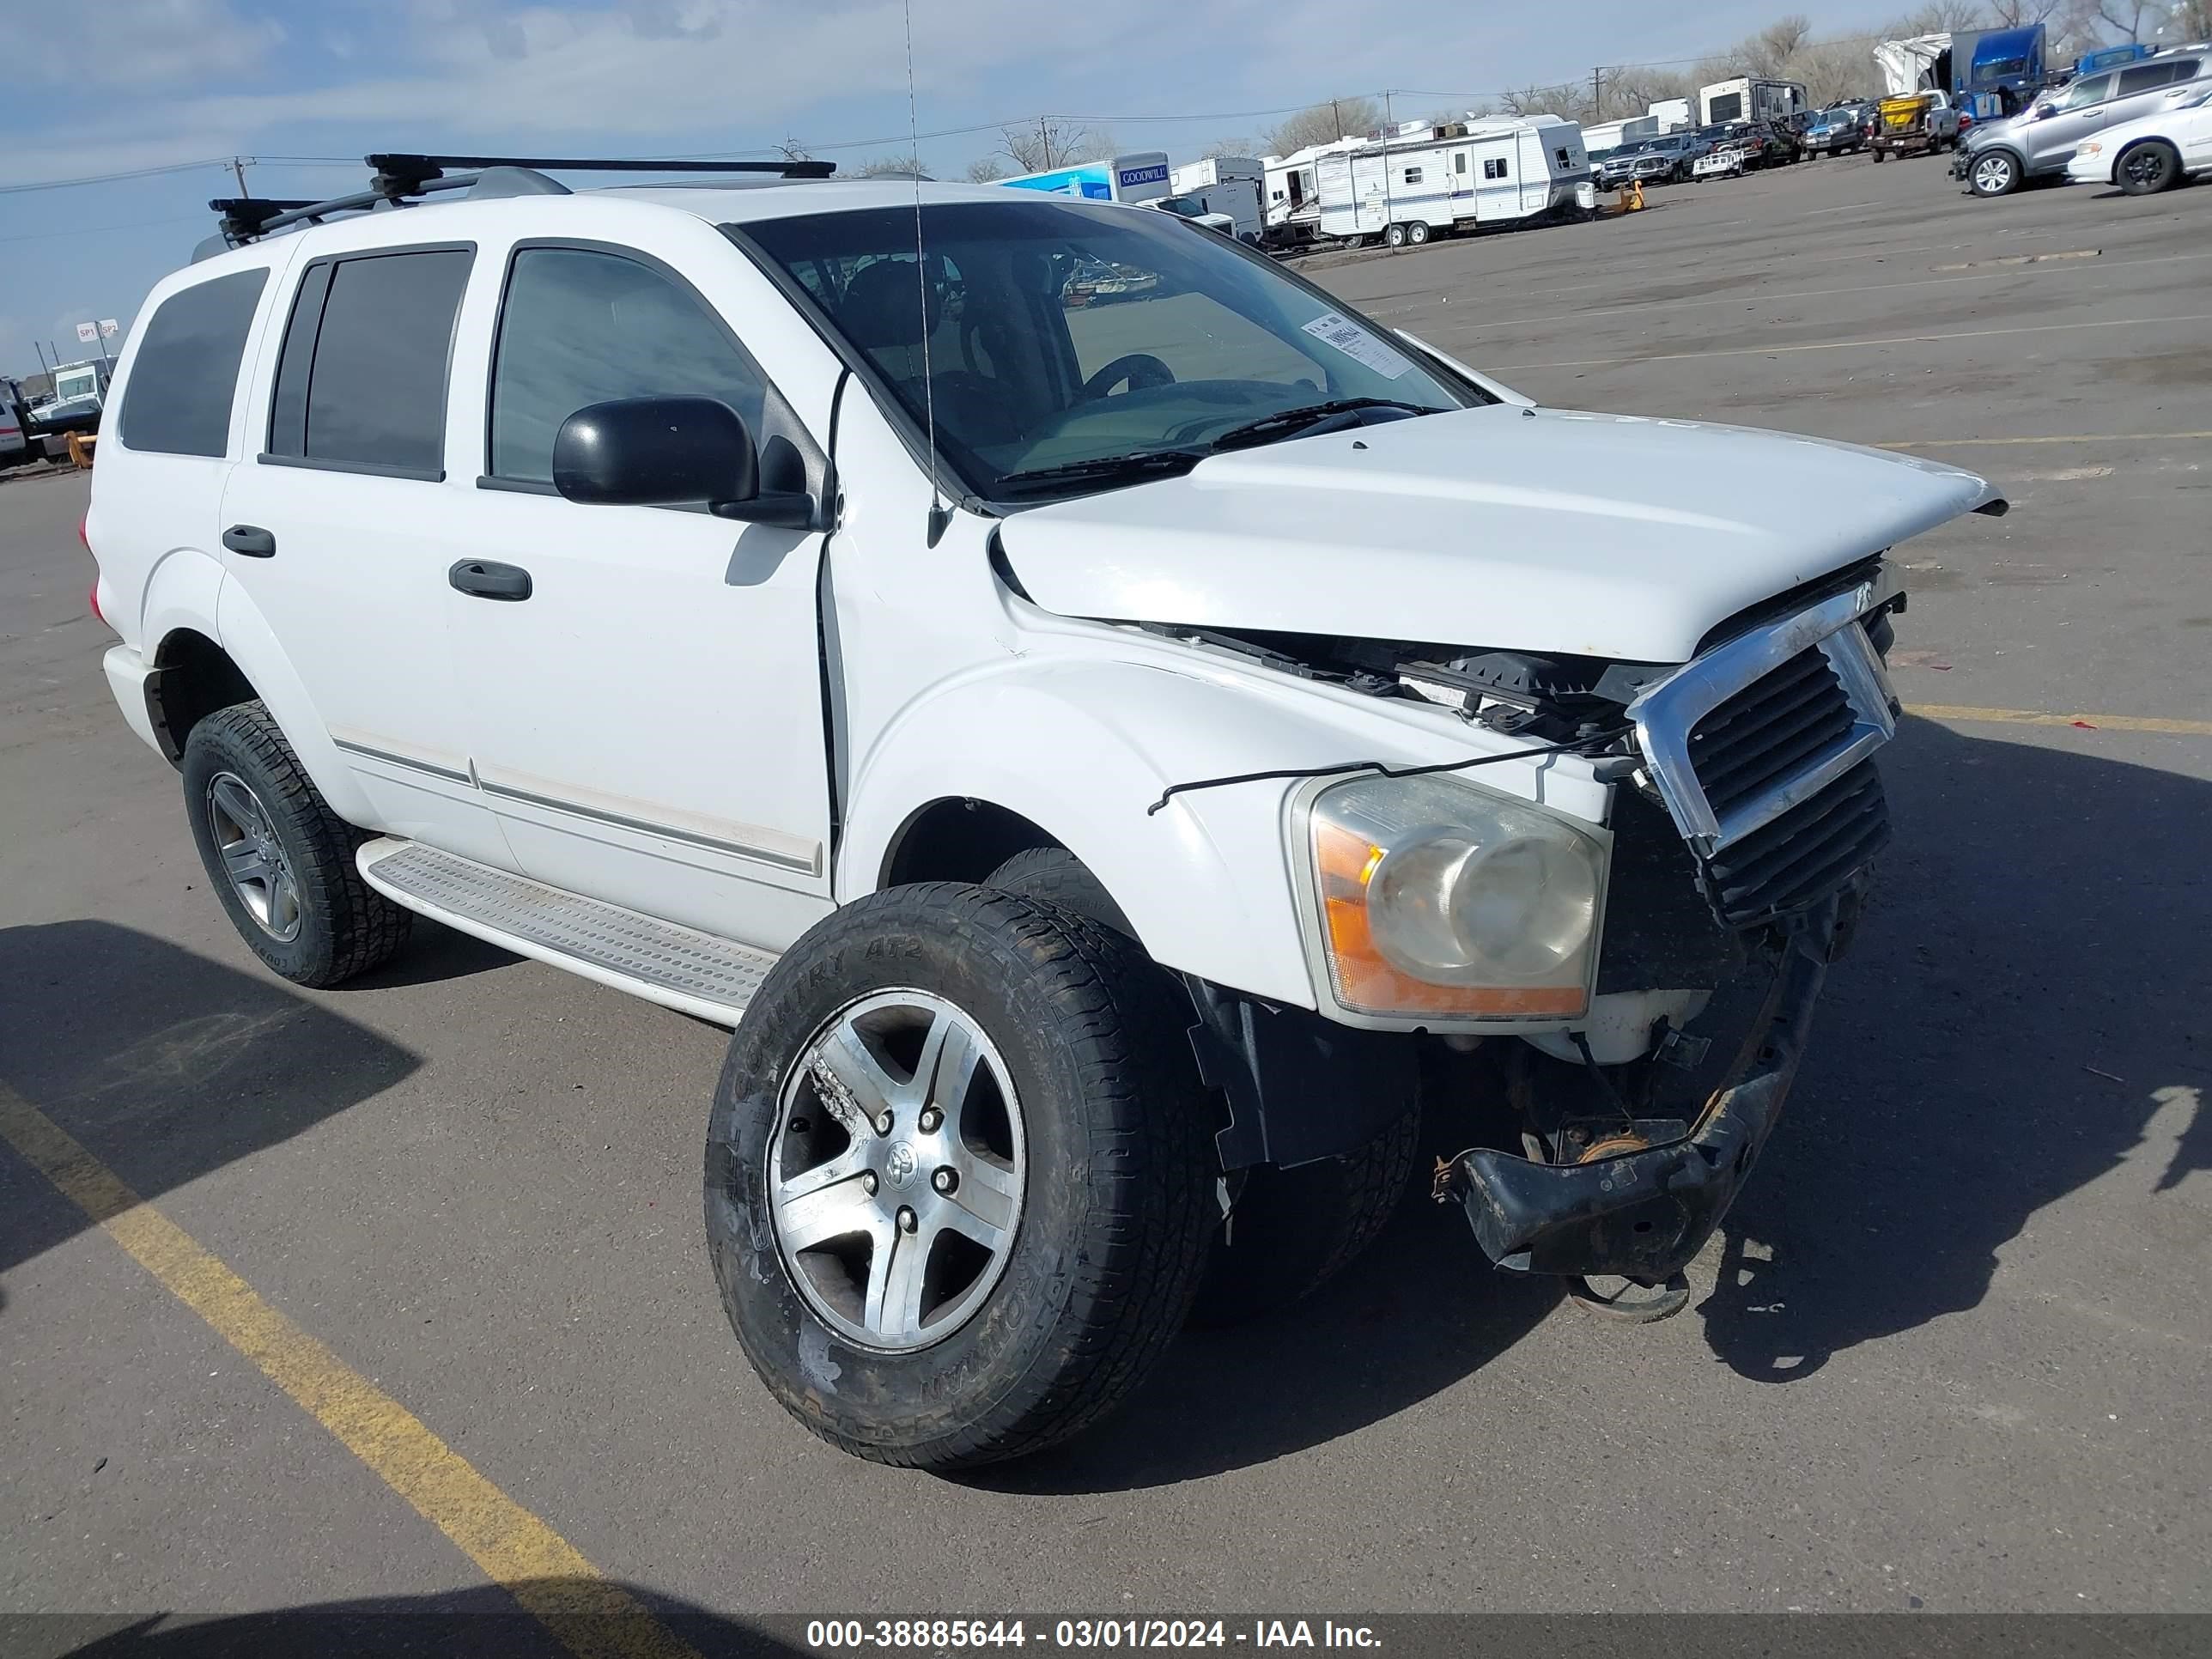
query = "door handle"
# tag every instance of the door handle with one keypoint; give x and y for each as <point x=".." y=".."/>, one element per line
<point x="250" y="541"/>
<point x="486" y="580"/>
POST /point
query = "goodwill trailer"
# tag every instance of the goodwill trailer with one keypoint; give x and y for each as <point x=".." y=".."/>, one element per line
<point x="1142" y="177"/>
<point x="1416" y="183"/>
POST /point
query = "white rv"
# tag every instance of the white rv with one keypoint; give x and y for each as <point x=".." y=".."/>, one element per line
<point x="1407" y="187"/>
<point x="1293" y="191"/>
<point x="1227" y="185"/>
<point x="1748" y="98"/>
<point x="1670" y="115"/>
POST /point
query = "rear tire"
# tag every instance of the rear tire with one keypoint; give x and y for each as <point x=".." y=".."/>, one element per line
<point x="279" y="859"/>
<point x="1289" y="1230"/>
<point x="1417" y="234"/>
<point x="2146" y="168"/>
<point x="1112" y="1167"/>
<point x="1393" y="236"/>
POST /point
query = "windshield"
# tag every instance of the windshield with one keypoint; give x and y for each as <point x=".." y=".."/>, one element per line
<point x="75" y="386"/>
<point x="1064" y="335"/>
<point x="1188" y="206"/>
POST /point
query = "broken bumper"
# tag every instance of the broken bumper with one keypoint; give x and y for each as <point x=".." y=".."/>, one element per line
<point x="1643" y="1214"/>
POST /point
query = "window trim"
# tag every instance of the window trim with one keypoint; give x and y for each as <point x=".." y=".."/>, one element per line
<point x="772" y="393"/>
<point x="269" y="457"/>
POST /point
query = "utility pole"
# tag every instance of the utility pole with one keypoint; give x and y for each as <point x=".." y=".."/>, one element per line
<point x="238" y="168"/>
<point x="1044" y="143"/>
<point x="1598" y="96"/>
<point x="1336" y="115"/>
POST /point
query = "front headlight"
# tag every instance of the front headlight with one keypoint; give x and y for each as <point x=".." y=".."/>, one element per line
<point x="2093" y="148"/>
<point x="1436" y="897"/>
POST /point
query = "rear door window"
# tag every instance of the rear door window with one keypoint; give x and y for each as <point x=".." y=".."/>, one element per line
<point x="362" y="383"/>
<point x="184" y="380"/>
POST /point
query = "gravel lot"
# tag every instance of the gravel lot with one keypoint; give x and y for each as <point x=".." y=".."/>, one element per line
<point x="1950" y="1354"/>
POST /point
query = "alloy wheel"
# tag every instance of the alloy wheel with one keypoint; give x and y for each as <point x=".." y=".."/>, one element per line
<point x="253" y="860"/>
<point x="896" y="1171"/>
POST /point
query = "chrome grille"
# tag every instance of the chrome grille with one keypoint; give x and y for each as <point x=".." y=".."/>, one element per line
<point x="1769" y="731"/>
<point x="1760" y="750"/>
<point x="1795" y="861"/>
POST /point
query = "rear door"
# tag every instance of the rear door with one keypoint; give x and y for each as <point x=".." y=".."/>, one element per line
<point x="330" y="528"/>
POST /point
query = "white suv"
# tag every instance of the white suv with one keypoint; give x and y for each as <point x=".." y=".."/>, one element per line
<point x="1109" y="763"/>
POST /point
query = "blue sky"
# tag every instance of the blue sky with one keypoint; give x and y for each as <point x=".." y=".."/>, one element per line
<point x="113" y="85"/>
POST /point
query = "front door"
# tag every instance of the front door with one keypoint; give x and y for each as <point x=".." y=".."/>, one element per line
<point x="648" y="722"/>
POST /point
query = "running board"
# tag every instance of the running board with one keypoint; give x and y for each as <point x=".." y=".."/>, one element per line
<point x="676" y="966"/>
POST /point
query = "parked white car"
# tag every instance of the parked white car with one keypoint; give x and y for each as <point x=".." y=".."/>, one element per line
<point x="2152" y="152"/>
<point x="1106" y="761"/>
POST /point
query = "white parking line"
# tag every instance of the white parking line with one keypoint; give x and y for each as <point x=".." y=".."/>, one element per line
<point x="1815" y="212"/>
<point x="1846" y="345"/>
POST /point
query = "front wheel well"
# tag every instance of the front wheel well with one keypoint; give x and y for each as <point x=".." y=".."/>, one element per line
<point x="193" y="676"/>
<point x="958" y="839"/>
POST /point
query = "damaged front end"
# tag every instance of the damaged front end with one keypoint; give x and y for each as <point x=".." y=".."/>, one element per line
<point x="1761" y="751"/>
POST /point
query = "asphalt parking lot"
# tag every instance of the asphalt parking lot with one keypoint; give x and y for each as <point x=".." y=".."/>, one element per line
<point x="1950" y="1353"/>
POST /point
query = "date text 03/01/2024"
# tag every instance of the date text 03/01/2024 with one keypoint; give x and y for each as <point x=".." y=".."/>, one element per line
<point x="947" y="1634"/>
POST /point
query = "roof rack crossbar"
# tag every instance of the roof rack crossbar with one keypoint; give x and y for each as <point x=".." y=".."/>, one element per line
<point x="401" y="177"/>
<point x="427" y="166"/>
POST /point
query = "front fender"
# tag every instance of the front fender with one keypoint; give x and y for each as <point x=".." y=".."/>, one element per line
<point x="1081" y="748"/>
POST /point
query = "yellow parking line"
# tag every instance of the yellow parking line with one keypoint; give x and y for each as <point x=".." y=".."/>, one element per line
<point x="590" y="1617"/>
<point x="2064" y="438"/>
<point x="1944" y="711"/>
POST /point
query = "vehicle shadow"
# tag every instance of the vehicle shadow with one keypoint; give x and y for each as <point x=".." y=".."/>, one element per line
<point x="486" y="1622"/>
<point x="2022" y="1015"/>
<point x="1422" y="1310"/>
<point x="164" y="1064"/>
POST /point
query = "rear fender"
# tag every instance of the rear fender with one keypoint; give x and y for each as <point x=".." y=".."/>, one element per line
<point x="244" y="633"/>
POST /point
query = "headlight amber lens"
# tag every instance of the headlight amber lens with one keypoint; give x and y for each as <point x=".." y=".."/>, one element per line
<point x="1441" y="898"/>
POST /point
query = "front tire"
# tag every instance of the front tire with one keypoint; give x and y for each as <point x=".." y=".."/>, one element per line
<point x="279" y="859"/>
<point x="1393" y="236"/>
<point x="2149" y="167"/>
<point x="1290" y="1231"/>
<point x="1994" y="175"/>
<point x="1077" y="1120"/>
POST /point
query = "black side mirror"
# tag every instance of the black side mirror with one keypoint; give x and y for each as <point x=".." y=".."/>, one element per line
<point x="669" y="452"/>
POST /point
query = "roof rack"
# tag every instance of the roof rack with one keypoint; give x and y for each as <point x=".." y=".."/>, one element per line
<point x="400" y="178"/>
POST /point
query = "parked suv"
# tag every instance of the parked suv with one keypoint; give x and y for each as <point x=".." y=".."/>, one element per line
<point x="1110" y="764"/>
<point x="1999" y="156"/>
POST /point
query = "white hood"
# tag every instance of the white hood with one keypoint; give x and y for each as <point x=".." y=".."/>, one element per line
<point x="1605" y="536"/>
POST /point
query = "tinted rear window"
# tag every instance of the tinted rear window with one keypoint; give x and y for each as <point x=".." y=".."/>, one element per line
<point x="362" y="380"/>
<point x="185" y="377"/>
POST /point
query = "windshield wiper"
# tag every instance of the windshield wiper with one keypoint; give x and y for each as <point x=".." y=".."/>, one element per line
<point x="1288" y="421"/>
<point x="1141" y="463"/>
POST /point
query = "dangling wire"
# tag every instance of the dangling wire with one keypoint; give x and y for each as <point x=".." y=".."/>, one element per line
<point x="939" y="514"/>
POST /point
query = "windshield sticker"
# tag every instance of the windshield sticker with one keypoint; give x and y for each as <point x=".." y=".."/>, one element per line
<point x="1333" y="328"/>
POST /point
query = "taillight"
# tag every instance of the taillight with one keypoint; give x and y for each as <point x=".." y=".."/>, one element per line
<point x="96" y="610"/>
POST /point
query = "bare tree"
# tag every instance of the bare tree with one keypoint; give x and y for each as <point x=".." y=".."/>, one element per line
<point x="985" y="170"/>
<point x="2127" y="18"/>
<point x="1629" y="91"/>
<point x="893" y="166"/>
<point x="1325" y="122"/>
<point x="1047" y="143"/>
<point x="1937" y="17"/>
<point x="2024" y="14"/>
<point x="1570" y="101"/>
<point x="1769" y="51"/>
<point x="2190" y="20"/>
<point x="1232" y="147"/>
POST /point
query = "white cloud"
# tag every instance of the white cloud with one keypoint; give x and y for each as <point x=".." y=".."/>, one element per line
<point x="133" y="42"/>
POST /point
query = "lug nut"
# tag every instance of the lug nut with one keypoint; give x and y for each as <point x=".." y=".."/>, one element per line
<point x="930" y="1119"/>
<point x="945" y="1181"/>
<point x="868" y="1181"/>
<point x="906" y="1219"/>
<point x="883" y="1124"/>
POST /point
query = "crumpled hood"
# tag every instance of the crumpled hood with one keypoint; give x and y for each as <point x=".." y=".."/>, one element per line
<point x="1521" y="529"/>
